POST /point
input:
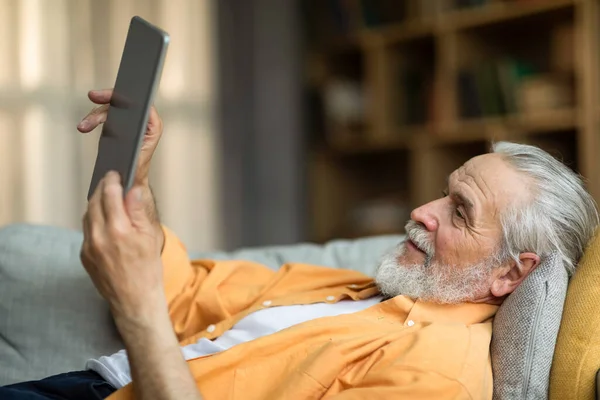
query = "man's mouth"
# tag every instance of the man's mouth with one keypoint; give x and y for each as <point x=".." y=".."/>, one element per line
<point x="413" y="245"/>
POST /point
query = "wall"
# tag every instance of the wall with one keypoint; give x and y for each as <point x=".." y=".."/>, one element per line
<point x="259" y="122"/>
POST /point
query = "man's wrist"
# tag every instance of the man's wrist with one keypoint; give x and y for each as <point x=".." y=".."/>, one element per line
<point x="142" y="316"/>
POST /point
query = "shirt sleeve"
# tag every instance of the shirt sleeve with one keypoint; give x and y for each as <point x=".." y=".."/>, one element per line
<point x="177" y="267"/>
<point x="204" y="292"/>
<point x="405" y="383"/>
<point x="182" y="279"/>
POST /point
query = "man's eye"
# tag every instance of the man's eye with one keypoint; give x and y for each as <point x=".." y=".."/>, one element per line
<point x="459" y="213"/>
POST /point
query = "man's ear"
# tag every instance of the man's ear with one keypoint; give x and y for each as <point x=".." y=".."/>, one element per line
<point x="507" y="282"/>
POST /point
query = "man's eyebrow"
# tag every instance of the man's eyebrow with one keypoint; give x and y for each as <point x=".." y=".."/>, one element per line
<point x="461" y="197"/>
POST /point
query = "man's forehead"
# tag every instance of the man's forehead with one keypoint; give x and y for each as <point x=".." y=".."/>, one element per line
<point x="487" y="167"/>
<point x="490" y="178"/>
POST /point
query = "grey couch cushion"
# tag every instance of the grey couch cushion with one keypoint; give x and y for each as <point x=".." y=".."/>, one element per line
<point x="358" y="254"/>
<point x="525" y="332"/>
<point x="51" y="317"/>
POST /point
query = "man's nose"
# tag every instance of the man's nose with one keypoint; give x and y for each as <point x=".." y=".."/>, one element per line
<point x="426" y="216"/>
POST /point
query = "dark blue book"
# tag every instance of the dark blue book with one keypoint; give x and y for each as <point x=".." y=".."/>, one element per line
<point x="470" y="105"/>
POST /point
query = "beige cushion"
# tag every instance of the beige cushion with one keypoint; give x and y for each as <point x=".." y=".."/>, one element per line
<point x="577" y="353"/>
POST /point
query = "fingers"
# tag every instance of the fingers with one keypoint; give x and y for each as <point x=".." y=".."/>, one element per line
<point x="109" y="96"/>
<point x="112" y="203"/>
<point x="106" y="218"/>
<point x="95" y="213"/>
<point x="100" y="96"/>
<point x="84" y="255"/>
<point x="154" y="122"/>
<point x="136" y="208"/>
<point x="85" y="225"/>
<point x="96" y="117"/>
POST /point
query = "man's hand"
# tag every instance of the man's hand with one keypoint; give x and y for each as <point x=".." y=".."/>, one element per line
<point x="121" y="249"/>
<point x="153" y="134"/>
<point x="154" y="129"/>
<point x="121" y="253"/>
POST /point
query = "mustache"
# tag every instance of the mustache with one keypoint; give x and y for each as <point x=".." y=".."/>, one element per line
<point x="420" y="237"/>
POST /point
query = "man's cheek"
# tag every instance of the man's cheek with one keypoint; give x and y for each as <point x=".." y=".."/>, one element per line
<point x="446" y="250"/>
<point x="441" y="243"/>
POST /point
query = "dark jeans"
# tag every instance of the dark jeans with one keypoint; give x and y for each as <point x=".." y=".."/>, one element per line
<point x="81" y="385"/>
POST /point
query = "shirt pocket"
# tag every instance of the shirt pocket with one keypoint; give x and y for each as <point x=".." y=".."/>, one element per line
<point x="276" y="378"/>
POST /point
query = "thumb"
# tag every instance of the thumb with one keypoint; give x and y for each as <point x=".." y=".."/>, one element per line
<point x="136" y="208"/>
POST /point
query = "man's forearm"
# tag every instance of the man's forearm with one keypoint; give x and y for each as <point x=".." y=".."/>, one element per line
<point x="158" y="369"/>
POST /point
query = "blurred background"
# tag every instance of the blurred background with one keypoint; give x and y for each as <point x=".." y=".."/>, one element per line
<point x="297" y="120"/>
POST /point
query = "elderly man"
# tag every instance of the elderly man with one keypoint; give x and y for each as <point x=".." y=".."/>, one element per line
<point x="420" y="330"/>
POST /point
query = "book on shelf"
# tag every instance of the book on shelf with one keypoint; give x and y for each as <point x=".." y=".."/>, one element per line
<point x="491" y="88"/>
<point x="544" y="92"/>
<point x="414" y="93"/>
<point x="507" y="86"/>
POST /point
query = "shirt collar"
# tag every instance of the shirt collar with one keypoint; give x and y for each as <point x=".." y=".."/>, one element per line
<point x="421" y="311"/>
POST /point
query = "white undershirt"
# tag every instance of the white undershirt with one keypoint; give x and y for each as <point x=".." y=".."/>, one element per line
<point x="115" y="368"/>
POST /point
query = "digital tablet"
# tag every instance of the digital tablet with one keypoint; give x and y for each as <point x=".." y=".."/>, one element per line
<point x="137" y="81"/>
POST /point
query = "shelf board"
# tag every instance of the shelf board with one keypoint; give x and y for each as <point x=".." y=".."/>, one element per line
<point x="546" y="121"/>
<point x="464" y="131"/>
<point x="386" y="35"/>
<point x="367" y="145"/>
<point x="406" y="31"/>
<point x="500" y="12"/>
<point x="493" y="128"/>
<point x="402" y="140"/>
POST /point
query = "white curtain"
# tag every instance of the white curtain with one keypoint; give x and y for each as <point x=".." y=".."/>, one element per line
<point x="53" y="52"/>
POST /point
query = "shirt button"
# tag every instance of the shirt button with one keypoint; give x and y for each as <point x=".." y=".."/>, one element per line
<point x="211" y="328"/>
<point x="410" y="322"/>
<point x="267" y="303"/>
<point x="330" y="298"/>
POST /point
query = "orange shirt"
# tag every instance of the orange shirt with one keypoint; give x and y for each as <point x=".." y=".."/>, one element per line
<point x="397" y="349"/>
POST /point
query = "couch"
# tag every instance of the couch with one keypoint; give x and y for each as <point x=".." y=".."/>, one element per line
<point x="52" y="319"/>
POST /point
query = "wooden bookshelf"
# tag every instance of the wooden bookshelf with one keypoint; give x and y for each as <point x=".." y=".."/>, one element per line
<point x="401" y="92"/>
<point x="504" y="11"/>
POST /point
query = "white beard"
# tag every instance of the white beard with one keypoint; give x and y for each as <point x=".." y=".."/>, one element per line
<point x="431" y="281"/>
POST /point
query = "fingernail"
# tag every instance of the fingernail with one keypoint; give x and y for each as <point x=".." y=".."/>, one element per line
<point x="138" y="194"/>
<point x="83" y="124"/>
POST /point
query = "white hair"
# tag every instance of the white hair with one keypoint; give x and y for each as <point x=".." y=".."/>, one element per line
<point x="561" y="216"/>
